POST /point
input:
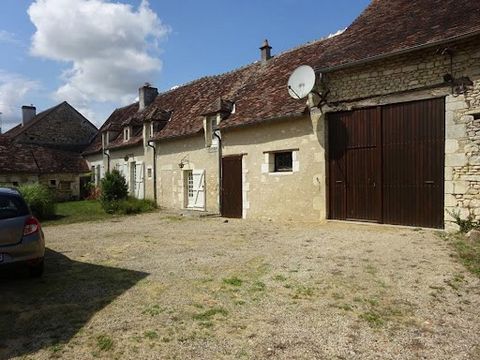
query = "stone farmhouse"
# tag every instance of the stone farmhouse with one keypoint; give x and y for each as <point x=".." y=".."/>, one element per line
<point x="46" y="148"/>
<point x="391" y="133"/>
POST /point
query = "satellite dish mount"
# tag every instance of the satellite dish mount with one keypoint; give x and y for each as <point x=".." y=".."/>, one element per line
<point x="302" y="83"/>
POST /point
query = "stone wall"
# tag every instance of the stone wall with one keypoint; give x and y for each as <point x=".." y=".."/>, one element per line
<point x="192" y="153"/>
<point x="62" y="128"/>
<point x="297" y="195"/>
<point x="13" y="180"/>
<point x="64" y="186"/>
<point x="407" y="72"/>
<point x="420" y="75"/>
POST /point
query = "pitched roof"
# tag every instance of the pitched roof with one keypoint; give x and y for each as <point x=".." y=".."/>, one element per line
<point x="385" y="28"/>
<point x="19" y="129"/>
<point x="388" y="27"/>
<point x="113" y="123"/>
<point x="35" y="159"/>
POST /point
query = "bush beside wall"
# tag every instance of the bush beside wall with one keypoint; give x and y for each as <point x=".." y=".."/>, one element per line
<point x="40" y="200"/>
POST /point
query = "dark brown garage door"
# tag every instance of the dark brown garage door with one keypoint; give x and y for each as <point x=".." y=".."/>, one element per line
<point x="386" y="164"/>
<point x="232" y="187"/>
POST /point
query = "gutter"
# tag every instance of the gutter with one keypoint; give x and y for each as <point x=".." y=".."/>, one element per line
<point x="395" y="53"/>
<point x="151" y="143"/>
<point x="217" y="134"/>
<point x="108" y="159"/>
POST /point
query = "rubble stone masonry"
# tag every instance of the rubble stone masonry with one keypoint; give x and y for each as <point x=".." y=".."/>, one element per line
<point x="420" y="75"/>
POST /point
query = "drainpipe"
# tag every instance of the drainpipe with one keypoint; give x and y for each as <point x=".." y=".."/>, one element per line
<point x="217" y="134"/>
<point x="105" y="152"/>
<point x="151" y="144"/>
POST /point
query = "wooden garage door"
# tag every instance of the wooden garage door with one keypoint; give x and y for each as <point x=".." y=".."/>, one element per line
<point x="355" y="165"/>
<point x="413" y="163"/>
<point x="232" y="200"/>
<point x="386" y="164"/>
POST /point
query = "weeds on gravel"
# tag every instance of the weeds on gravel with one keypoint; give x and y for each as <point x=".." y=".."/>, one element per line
<point x="56" y="348"/>
<point x="153" y="310"/>
<point x="207" y="315"/>
<point x="373" y="318"/>
<point x="467" y="250"/>
<point x="104" y="342"/>
<point x="280" y="278"/>
<point x="465" y="225"/>
<point x="372" y="270"/>
<point x="152" y="335"/>
<point x="258" y="286"/>
<point x="303" y="291"/>
<point x="233" y="281"/>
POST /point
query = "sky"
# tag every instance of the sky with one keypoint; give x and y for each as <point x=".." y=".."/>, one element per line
<point x="95" y="54"/>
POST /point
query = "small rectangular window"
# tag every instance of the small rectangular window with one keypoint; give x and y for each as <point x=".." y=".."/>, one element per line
<point x="53" y="182"/>
<point x="149" y="172"/>
<point x="283" y="161"/>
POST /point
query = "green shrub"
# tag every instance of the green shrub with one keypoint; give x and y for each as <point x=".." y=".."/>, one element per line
<point x="113" y="188"/>
<point x="40" y="200"/>
<point x="129" y="206"/>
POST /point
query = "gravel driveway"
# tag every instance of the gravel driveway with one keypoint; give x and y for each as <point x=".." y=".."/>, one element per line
<point x="161" y="286"/>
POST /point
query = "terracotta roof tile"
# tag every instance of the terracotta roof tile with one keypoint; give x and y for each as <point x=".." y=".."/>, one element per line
<point x="113" y="123"/>
<point x="35" y="159"/>
<point x="259" y="90"/>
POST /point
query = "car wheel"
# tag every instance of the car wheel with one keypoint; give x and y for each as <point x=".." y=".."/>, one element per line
<point x="36" y="270"/>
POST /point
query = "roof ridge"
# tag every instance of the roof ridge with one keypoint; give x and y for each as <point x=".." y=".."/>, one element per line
<point x="35" y="120"/>
<point x="191" y="82"/>
<point x="256" y="62"/>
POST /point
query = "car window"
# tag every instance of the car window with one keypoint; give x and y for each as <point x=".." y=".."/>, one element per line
<point x="12" y="206"/>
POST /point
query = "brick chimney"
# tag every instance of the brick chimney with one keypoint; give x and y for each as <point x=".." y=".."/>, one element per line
<point x="146" y="95"/>
<point x="265" y="51"/>
<point x="28" y="113"/>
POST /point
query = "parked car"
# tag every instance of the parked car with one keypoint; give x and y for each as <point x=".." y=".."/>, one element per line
<point x="21" y="237"/>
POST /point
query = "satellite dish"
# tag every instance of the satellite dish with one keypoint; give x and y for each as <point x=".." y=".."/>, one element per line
<point x="301" y="82"/>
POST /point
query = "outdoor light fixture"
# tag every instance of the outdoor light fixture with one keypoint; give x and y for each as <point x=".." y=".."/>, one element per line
<point x="183" y="162"/>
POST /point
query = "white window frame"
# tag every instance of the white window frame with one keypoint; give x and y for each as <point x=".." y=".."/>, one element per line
<point x="268" y="166"/>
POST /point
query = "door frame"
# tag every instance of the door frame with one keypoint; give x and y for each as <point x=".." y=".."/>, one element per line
<point x="185" y="175"/>
<point x="379" y="108"/>
<point x="222" y="199"/>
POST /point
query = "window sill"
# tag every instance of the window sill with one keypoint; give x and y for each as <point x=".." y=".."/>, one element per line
<point x="281" y="173"/>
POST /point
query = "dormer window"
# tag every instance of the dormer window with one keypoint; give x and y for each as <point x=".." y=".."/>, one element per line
<point x="126" y="134"/>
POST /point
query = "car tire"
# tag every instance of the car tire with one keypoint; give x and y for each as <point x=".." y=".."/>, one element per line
<point x="36" y="271"/>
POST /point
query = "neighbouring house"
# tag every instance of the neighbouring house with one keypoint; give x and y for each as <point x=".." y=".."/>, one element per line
<point x="59" y="170"/>
<point x="46" y="148"/>
<point x="391" y="133"/>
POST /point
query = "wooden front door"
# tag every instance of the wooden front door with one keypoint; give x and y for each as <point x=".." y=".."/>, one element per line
<point x="232" y="200"/>
<point x="386" y="164"/>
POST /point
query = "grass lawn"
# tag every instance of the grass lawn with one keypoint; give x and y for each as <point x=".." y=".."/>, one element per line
<point x="78" y="211"/>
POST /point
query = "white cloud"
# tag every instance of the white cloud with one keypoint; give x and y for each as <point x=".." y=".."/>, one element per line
<point x="8" y="37"/>
<point x="112" y="47"/>
<point x="13" y="90"/>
